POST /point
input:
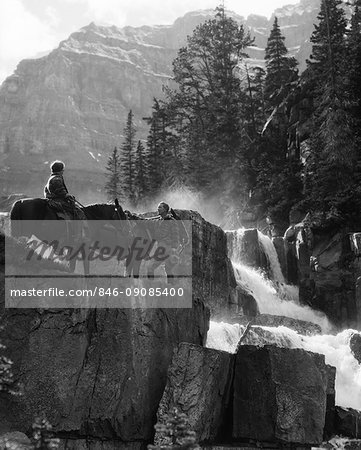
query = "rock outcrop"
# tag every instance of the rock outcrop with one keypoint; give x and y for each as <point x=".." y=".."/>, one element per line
<point x="279" y="395"/>
<point x="198" y="382"/>
<point x="347" y="422"/>
<point x="272" y="396"/>
<point x="97" y="373"/>
<point x="213" y="275"/>
<point x="100" y="374"/>
<point x="327" y="269"/>
<point x="355" y="345"/>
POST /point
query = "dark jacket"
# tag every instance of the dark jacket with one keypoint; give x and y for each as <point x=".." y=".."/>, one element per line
<point x="170" y="234"/>
<point x="55" y="187"/>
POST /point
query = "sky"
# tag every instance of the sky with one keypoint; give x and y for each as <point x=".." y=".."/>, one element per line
<point x="29" y="28"/>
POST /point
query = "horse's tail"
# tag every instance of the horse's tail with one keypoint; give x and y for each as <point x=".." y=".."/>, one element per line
<point x="15" y="219"/>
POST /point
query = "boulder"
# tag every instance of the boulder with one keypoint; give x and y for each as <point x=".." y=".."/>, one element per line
<point x="355" y="345"/>
<point x="279" y="395"/>
<point x="213" y="277"/>
<point x="347" y="422"/>
<point x="329" y="429"/>
<point x="198" y="384"/>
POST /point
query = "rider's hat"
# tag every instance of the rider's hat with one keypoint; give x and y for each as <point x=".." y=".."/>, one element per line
<point x="57" y="166"/>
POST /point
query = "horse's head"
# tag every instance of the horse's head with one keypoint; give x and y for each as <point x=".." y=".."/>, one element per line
<point x="104" y="211"/>
<point x="120" y="214"/>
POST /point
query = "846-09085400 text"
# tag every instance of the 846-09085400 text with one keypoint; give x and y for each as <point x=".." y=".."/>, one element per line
<point x="100" y="291"/>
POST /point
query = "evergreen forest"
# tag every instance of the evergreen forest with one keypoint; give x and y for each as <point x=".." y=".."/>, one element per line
<point x="262" y="140"/>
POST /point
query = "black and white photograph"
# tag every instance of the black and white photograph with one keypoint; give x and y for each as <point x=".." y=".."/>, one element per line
<point x="180" y="224"/>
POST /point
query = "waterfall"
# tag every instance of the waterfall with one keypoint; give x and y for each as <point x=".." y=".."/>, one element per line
<point x="270" y="301"/>
<point x="224" y="336"/>
<point x="276" y="297"/>
<point x="272" y="296"/>
<point x="234" y="244"/>
<point x="272" y="257"/>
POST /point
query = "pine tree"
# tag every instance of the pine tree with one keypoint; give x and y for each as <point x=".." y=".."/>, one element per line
<point x="6" y="375"/>
<point x="354" y="63"/>
<point x="281" y="68"/>
<point x="327" y="80"/>
<point x="209" y="104"/>
<point x="141" y="175"/>
<point x="255" y="106"/>
<point x="328" y="174"/>
<point x="154" y="158"/>
<point x="127" y="159"/>
<point x="328" y="48"/>
<point x="175" y="431"/>
<point x="278" y="171"/>
<point x="113" y="184"/>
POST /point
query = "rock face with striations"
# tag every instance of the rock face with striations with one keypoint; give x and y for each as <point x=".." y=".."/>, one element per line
<point x="213" y="276"/>
<point x="96" y="374"/>
<point x="347" y="422"/>
<point x="279" y="395"/>
<point x="270" y="395"/>
<point x="328" y="269"/>
<point x="72" y="104"/>
<point x="199" y="383"/>
<point x="100" y="374"/>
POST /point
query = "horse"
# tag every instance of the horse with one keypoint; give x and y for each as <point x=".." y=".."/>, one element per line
<point x="36" y="211"/>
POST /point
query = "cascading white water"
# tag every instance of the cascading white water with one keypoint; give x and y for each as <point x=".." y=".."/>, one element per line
<point x="271" y="254"/>
<point x="269" y="301"/>
<point x="276" y="297"/>
<point x="234" y="244"/>
<point x="272" y="297"/>
<point x="224" y="336"/>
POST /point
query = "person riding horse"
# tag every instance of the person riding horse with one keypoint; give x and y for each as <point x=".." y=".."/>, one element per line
<point x="59" y="198"/>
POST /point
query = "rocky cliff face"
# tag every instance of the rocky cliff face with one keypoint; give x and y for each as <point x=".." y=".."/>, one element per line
<point x="97" y="374"/>
<point x="268" y="395"/>
<point x="72" y="104"/>
<point x="325" y="264"/>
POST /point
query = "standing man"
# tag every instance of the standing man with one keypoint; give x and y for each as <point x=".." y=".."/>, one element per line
<point x="170" y="237"/>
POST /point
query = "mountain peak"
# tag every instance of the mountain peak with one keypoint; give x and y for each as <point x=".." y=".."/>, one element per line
<point x="303" y="7"/>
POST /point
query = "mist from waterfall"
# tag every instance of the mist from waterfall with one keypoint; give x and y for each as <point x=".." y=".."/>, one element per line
<point x="273" y="296"/>
<point x="336" y="348"/>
